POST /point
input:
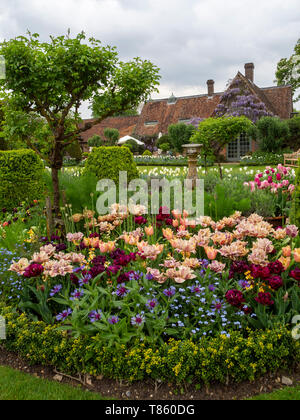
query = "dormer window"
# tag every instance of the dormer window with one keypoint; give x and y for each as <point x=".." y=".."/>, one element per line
<point x="172" y="100"/>
<point x="151" y="123"/>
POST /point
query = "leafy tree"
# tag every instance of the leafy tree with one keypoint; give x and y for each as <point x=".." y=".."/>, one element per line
<point x="288" y="71"/>
<point x="270" y="132"/>
<point x="112" y="135"/>
<point x="216" y="133"/>
<point x="165" y="147"/>
<point x="74" y="151"/>
<point x="293" y="140"/>
<point x="162" y="139"/>
<point x="180" y="134"/>
<point x="132" y="145"/>
<point x="53" y="79"/>
<point x="24" y="128"/>
<point x="95" y="141"/>
<point x="131" y="112"/>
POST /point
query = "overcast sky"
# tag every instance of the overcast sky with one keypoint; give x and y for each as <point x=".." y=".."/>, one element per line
<point x="190" y="40"/>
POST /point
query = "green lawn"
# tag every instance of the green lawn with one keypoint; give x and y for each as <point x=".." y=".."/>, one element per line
<point x="286" y="394"/>
<point x="15" y="385"/>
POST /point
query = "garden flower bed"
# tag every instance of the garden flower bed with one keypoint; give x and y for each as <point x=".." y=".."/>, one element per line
<point x="177" y="299"/>
<point x="178" y="285"/>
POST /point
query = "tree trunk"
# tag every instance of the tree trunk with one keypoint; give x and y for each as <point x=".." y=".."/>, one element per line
<point x="56" y="191"/>
<point x="57" y="163"/>
<point x="220" y="170"/>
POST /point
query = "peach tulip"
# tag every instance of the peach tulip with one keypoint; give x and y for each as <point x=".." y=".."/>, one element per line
<point x="94" y="242"/>
<point x="168" y="233"/>
<point x="297" y="255"/>
<point x="107" y="246"/>
<point x="176" y="214"/>
<point x="287" y="251"/>
<point x="192" y="224"/>
<point x="175" y="223"/>
<point x="149" y="230"/>
<point x="211" y="252"/>
<point x="285" y="262"/>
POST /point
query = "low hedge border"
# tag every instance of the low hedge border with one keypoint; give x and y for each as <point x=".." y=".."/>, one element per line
<point x="221" y="359"/>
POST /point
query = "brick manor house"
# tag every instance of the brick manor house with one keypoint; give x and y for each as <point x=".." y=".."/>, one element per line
<point x="158" y="114"/>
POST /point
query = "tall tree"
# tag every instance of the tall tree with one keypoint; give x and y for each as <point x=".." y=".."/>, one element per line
<point x="180" y="134"/>
<point x="53" y="78"/>
<point x="216" y="133"/>
<point x="288" y="71"/>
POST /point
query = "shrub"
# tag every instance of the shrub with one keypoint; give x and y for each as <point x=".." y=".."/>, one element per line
<point x="163" y="139"/>
<point x="165" y="147"/>
<point x="221" y="359"/>
<point x="95" y="141"/>
<point x="180" y="134"/>
<point x="270" y="132"/>
<point x="21" y="177"/>
<point x="112" y="135"/>
<point x="147" y="153"/>
<point x="107" y="162"/>
<point x="132" y="145"/>
<point x="74" y="151"/>
<point x="293" y="140"/>
<point x="3" y="143"/>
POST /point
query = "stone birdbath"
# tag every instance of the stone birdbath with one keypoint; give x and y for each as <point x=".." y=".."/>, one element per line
<point x="192" y="152"/>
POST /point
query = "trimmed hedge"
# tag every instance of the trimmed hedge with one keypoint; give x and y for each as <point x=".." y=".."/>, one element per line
<point x="21" y="177"/>
<point x="220" y="359"/>
<point x="296" y="201"/>
<point x="107" y="162"/>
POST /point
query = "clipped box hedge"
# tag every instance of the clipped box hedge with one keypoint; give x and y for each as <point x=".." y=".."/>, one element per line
<point x="21" y="177"/>
<point x="236" y="358"/>
<point x="107" y="162"/>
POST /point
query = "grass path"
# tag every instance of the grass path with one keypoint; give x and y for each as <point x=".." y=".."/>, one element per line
<point x="16" y="385"/>
<point x="286" y="394"/>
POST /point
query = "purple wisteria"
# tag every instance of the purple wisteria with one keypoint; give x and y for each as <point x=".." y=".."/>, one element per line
<point x="239" y="101"/>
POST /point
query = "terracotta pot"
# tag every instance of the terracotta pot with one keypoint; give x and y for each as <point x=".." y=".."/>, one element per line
<point x="276" y="222"/>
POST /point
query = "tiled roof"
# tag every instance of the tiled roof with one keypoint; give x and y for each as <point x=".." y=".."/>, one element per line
<point x="165" y="114"/>
<point x="281" y="99"/>
<point x="158" y="114"/>
<point x="126" y="126"/>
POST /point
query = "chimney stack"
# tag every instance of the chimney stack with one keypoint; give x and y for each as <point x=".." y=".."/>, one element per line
<point x="210" y="87"/>
<point x="249" y="71"/>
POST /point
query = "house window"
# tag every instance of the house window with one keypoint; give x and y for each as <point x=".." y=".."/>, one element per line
<point x="151" y="122"/>
<point x="239" y="147"/>
<point x="184" y="120"/>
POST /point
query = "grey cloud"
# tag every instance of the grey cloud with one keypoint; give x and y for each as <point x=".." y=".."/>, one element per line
<point x="191" y="41"/>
